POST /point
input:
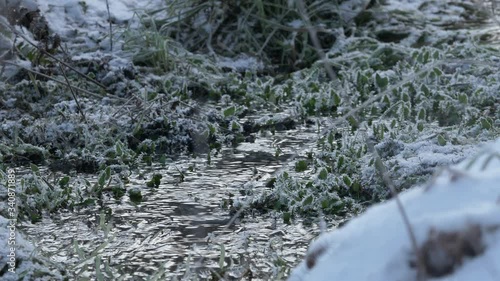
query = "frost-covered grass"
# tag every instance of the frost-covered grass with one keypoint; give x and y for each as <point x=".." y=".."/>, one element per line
<point x="273" y="31"/>
<point x="421" y="104"/>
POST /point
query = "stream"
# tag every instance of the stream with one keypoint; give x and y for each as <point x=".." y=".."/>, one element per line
<point x="185" y="219"/>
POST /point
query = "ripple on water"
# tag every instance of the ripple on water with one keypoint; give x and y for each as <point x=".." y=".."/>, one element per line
<point x="181" y="219"/>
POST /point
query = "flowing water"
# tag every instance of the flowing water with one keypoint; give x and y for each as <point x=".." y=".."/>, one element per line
<point x="185" y="219"/>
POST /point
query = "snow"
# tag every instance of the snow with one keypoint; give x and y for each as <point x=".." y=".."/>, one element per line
<point x="296" y="24"/>
<point x="89" y="15"/>
<point x="376" y="246"/>
<point x="84" y="24"/>
<point x="241" y="63"/>
<point x="26" y="261"/>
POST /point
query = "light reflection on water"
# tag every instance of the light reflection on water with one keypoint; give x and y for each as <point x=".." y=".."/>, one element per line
<point x="181" y="219"/>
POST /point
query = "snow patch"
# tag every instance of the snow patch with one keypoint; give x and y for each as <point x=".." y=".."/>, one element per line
<point x="455" y="218"/>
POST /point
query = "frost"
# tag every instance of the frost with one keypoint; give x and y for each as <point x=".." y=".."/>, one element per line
<point x="454" y="217"/>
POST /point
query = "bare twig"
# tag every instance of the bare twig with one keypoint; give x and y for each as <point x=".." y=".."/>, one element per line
<point x="110" y="27"/>
<point x="379" y="165"/>
<point x="72" y="93"/>
<point x="313" y="33"/>
<point x="62" y="82"/>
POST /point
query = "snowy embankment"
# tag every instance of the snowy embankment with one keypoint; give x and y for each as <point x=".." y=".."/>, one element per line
<point x="20" y="260"/>
<point x="455" y="218"/>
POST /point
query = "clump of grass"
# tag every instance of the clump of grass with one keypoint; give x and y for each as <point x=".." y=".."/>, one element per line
<point x="274" y="31"/>
<point x="40" y="195"/>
